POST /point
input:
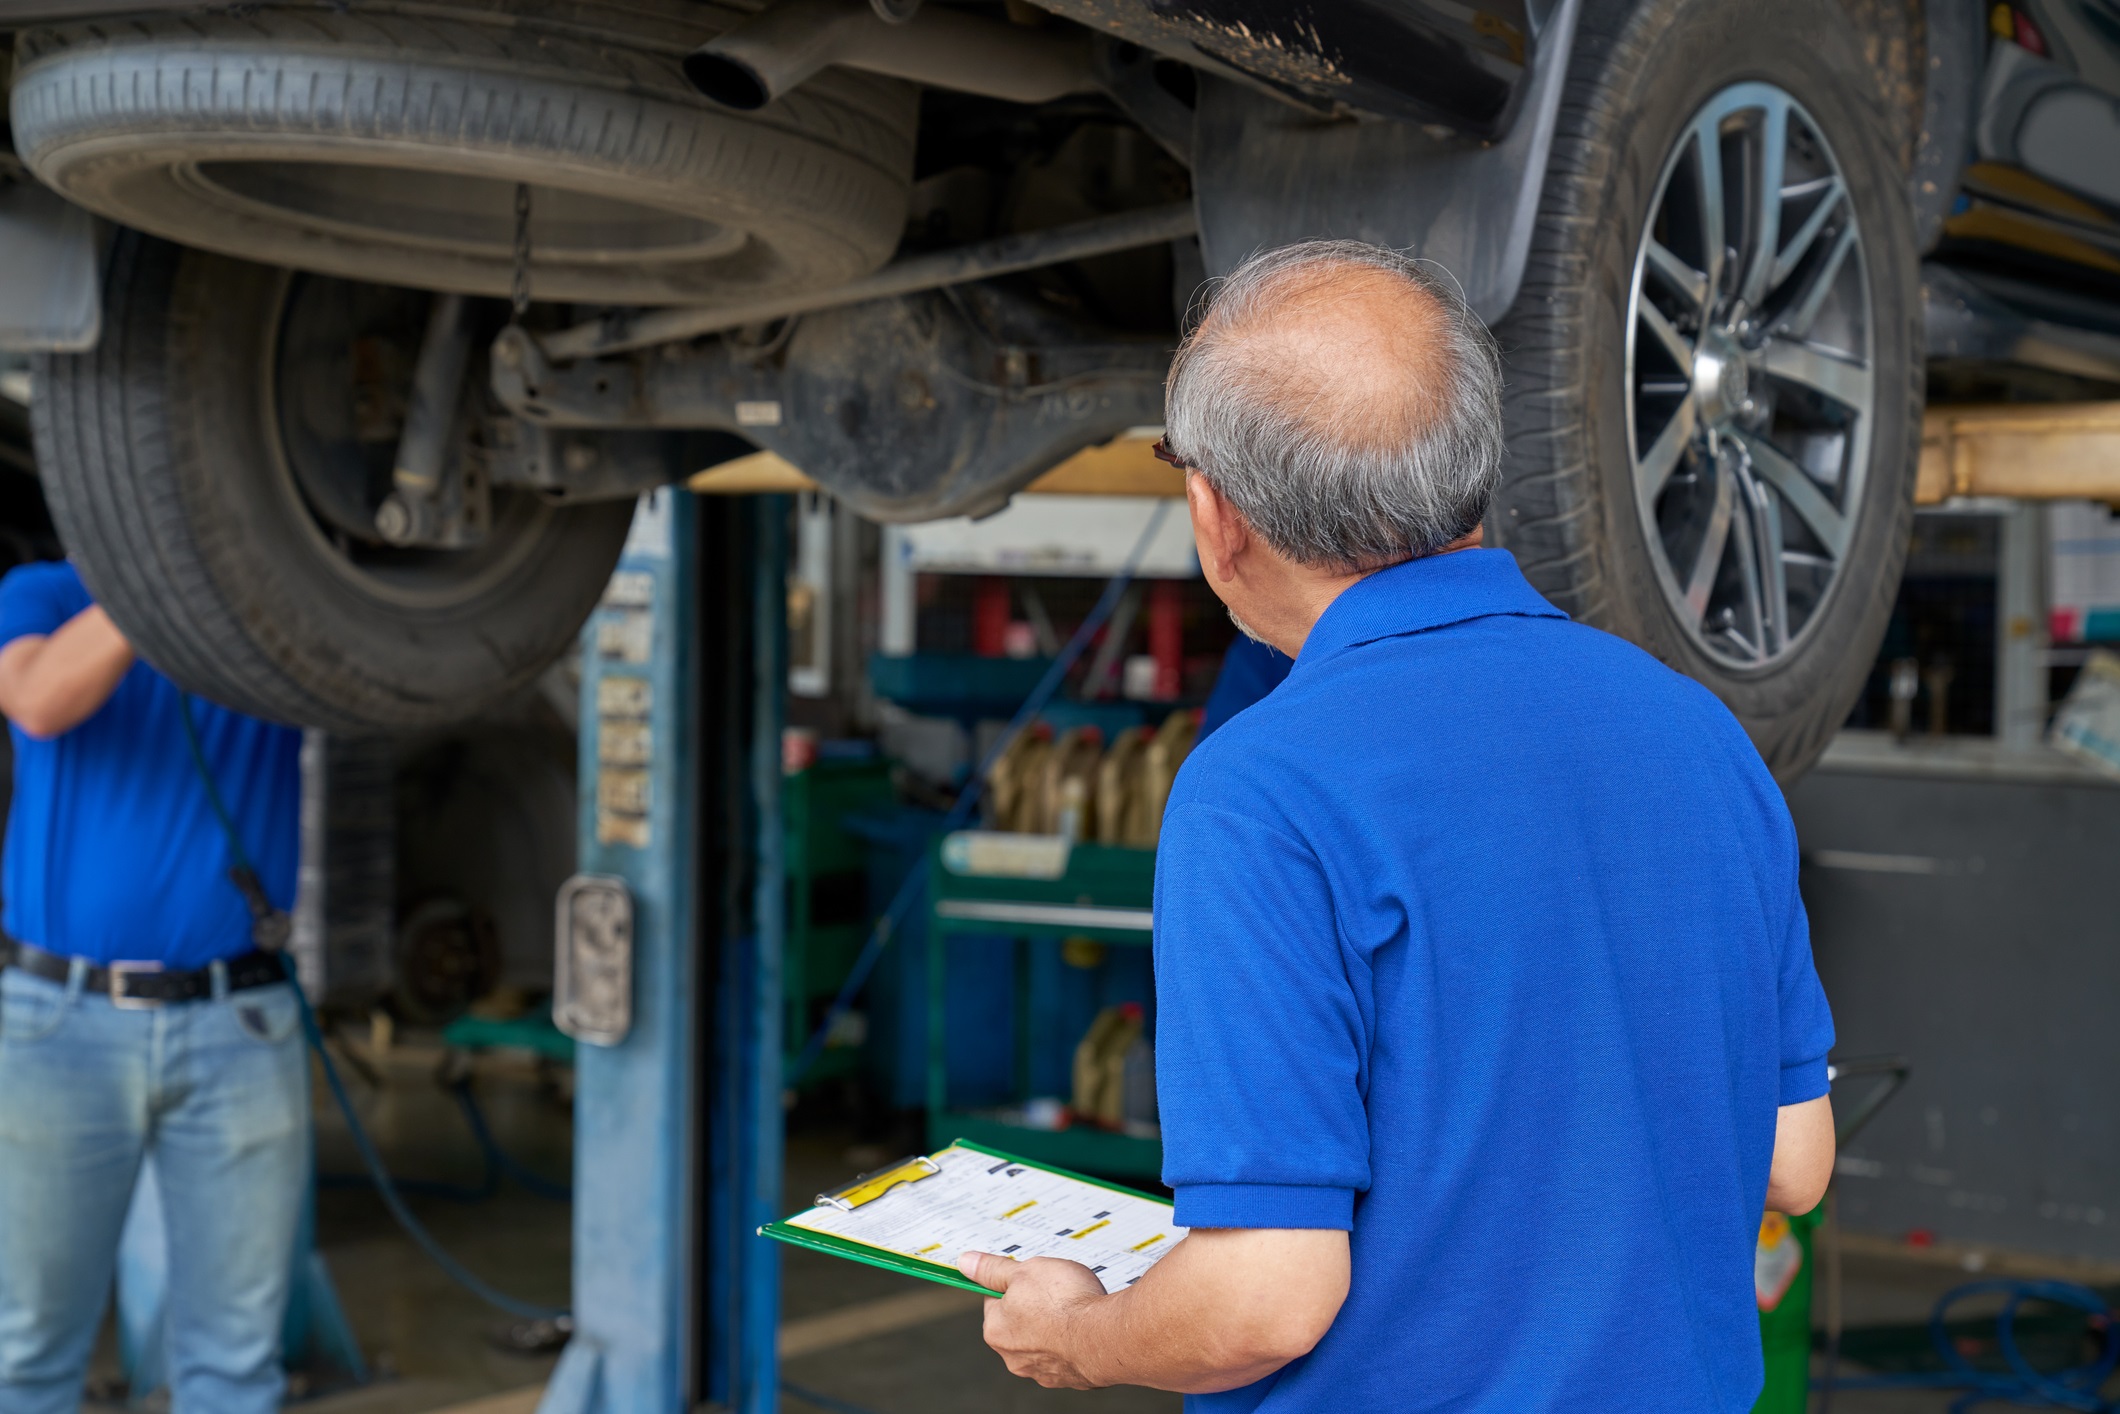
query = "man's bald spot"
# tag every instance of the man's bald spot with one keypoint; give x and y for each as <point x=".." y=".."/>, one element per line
<point x="1349" y="351"/>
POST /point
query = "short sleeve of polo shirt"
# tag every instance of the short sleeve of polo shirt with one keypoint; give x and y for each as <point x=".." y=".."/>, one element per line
<point x="1260" y="1041"/>
<point x="35" y="598"/>
<point x="1806" y="1019"/>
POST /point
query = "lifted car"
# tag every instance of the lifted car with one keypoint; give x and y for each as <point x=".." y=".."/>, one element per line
<point x="404" y="300"/>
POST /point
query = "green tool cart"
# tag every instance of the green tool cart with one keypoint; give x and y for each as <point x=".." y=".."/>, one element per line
<point x="827" y="918"/>
<point x="1100" y="892"/>
<point x="532" y="1032"/>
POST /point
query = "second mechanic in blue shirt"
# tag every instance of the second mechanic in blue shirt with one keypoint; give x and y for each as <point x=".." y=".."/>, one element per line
<point x="1487" y="1020"/>
<point x="138" y="1018"/>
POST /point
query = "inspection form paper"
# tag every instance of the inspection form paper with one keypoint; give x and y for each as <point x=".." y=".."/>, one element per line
<point x="979" y="1200"/>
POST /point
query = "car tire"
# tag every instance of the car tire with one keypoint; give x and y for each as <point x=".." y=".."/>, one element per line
<point x="186" y="468"/>
<point x="385" y="143"/>
<point x="1581" y="505"/>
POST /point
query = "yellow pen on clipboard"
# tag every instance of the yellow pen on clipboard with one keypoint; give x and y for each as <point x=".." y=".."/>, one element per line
<point x="916" y="1215"/>
<point x="873" y="1185"/>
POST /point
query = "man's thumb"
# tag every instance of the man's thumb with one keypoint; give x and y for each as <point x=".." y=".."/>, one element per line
<point x="989" y="1271"/>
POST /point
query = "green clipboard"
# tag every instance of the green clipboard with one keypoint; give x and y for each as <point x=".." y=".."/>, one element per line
<point x="834" y="1246"/>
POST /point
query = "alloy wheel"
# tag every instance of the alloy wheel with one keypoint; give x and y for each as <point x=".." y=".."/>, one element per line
<point x="1750" y="378"/>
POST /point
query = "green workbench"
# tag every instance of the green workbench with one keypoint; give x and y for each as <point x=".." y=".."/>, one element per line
<point x="1104" y="895"/>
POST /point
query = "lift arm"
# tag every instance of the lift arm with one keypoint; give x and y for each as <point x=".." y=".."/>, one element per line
<point x="2025" y="451"/>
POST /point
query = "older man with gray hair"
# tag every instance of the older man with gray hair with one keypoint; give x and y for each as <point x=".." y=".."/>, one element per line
<point x="1487" y="1024"/>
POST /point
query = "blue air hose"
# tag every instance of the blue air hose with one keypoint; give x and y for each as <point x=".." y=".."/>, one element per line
<point x="499" y="1160"/>
<point x="498" y="1163"/>
<point x="387" y="1189"/>
<point x="2075" y="1387"/>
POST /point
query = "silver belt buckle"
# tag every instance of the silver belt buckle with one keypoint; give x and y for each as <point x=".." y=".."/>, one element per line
<point x="123" y="1000"/>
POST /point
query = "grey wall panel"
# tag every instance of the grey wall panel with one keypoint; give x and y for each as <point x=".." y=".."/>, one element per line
<point x="1971" y="924"/>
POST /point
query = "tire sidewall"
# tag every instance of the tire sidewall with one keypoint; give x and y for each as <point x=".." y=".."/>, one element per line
<point x="127" y="121"/>
<point x="1790" y="707"/>
<point x="310" y="643"/>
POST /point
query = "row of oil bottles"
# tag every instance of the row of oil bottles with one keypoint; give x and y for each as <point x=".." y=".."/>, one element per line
<point x="1070" y="783"/>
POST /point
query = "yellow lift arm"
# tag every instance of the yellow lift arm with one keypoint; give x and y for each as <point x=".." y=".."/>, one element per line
<point x="2023" y="451"/>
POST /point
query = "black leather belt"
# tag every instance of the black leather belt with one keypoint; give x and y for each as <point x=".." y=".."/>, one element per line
<point x="148" y="984"/>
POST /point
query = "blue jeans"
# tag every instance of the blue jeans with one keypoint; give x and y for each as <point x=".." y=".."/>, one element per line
<point x="218" y="1092"/>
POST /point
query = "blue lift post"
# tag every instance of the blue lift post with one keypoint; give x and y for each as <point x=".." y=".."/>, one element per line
<point x="742" y="1368"/>
<point x="678" y="1126"/>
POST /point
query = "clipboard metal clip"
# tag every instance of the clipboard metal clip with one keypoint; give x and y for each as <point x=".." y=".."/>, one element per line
<point x="871" y="1186"/>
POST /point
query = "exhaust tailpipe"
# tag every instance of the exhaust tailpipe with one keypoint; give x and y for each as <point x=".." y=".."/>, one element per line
<point x="776" y="50"/>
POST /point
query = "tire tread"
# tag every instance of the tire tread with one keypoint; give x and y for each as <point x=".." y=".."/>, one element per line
<point x="1549" y="511"/>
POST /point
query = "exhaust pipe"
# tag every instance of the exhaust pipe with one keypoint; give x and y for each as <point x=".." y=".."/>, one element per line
<point x="775" y="50"/>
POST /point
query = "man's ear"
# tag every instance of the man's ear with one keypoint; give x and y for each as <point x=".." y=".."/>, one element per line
<point x="1219" y="533"/>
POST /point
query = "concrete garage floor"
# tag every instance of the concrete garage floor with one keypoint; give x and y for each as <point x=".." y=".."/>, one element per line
<point x="854" y="1334"/>
<point x="427" y="1335"/>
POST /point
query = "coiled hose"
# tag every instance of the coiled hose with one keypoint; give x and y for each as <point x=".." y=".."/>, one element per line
<point x="2073" y="1387"/>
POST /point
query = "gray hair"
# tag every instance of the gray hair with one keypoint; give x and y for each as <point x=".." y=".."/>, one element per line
<point x="1323" y="479"/>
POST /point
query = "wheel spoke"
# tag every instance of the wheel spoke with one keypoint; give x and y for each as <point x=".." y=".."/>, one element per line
<point x="1793" y="253"/>
<point x="1764" y="234"/>
<point x="1700" y="583"/>
<point x="1844" y="380"/>
<point x="1661" y="459"/>
<point x="1773" y="573"/>
<point x="1797" y="322"/>
<point x="1707" y="142"/>
<point x="1748" y="579"/>
<point x="1799" y="492"/>
<point x="1675" y="344"/>
<point x="1683" y="279"/>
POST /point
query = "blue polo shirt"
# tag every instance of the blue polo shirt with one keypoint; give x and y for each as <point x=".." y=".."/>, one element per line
<point x="113" y="852"/>
<point x="1479" y="938"/>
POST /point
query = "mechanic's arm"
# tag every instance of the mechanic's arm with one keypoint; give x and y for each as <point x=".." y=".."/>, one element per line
<point x="1228" y="1306"/>
<point x="1803" y="1156"/>
<point x="52" y="683"/>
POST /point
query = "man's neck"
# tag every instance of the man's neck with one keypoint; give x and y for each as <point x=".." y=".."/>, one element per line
<point x="1304" y="594"/>
<point x="1295" y="610"/>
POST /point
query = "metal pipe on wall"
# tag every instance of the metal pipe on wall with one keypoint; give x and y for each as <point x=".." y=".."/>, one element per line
<point x="2021" y="629"/>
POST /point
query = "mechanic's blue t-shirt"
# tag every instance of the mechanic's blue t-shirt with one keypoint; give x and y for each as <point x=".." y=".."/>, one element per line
<point x="1480" y="937"/>
<point x="113" y="852"/>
